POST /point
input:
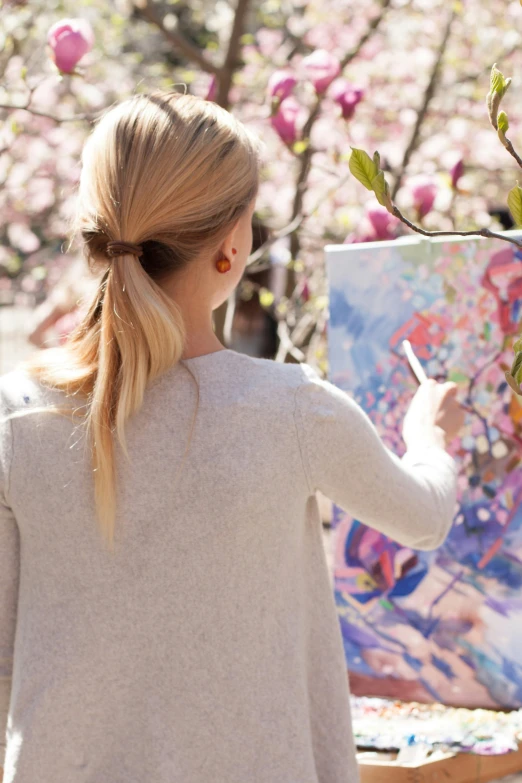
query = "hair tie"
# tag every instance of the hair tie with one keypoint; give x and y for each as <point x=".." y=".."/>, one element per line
<point x="116" y="248"/>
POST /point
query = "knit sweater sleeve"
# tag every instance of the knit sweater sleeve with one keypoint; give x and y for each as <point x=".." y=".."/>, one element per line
<point x="411" y="500"/>
<point x="9" y="571"/>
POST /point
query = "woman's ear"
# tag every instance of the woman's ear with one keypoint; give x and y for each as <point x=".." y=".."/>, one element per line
<point x="230" y="242"/>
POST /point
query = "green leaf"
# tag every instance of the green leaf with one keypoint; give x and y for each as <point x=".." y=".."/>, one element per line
<point x="498" y="88"/>
<point x="499" y="84"/>
<point x="497" y="81"/>
<point x="514" y="201"/>
<point x="517" y="345"/>
<point x="363" y="168"/>
<point x="382" y="191"/>
<point x="516" y="368"/>
<point x="503" y="122"/>
<point x="514" y="376"/>
<point x="494" y="99"/>
<point x="377" y="160"/>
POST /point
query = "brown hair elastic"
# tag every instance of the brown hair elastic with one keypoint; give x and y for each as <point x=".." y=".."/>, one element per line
<point x="116" y="248"/>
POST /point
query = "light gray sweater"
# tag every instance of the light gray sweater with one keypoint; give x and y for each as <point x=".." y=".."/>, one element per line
<point x="207" y="646"/>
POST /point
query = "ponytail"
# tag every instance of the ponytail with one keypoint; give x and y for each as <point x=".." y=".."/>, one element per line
<point x="141" y="334"/>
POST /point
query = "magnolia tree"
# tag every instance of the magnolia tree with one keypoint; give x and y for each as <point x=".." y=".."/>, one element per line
<point x="314" y="79"/>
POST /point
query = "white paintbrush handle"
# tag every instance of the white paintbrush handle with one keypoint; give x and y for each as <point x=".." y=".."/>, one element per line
<point x="416" y="366"/>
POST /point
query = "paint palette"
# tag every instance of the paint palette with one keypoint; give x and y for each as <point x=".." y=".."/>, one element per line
<point x="441" y="626"/>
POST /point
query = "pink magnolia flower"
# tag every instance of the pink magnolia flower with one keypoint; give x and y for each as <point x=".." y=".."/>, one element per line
<point x="456" y="173"/>
<point x="286" y="119"/>
<point x="322" y="68"/>
<point x="424" y="197"/>
<point x="347" y="96"/>
<point x="70" y="40"/>
<point x="382" y="227"/>
<point x="281" y="84"/>
<point x="382" y="222"/>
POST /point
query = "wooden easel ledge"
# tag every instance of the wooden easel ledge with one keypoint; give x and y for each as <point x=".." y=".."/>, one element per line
<point x="438" y="768"/>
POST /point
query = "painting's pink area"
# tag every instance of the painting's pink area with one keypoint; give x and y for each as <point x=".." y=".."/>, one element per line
<point x="370" y="543"/>
<point x="502" y="278"/>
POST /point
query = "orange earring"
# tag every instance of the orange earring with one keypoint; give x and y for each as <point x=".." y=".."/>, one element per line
<point x="223" y="265"/>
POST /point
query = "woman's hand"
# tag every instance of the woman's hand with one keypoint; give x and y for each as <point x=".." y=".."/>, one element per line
<point x="434" y="416"/>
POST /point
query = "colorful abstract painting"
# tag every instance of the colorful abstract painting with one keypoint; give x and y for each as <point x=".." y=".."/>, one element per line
<point x="447" y="625"/>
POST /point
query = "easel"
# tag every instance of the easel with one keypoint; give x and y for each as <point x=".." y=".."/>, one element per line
<point x="443" y="768"/>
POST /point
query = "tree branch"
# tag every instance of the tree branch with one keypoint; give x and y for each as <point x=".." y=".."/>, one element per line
<point x="148" y="11"/>
<point x="509" y="146"/>
<point x="306" y="157"/>
<point x="231" y="62"/>
<point x="480" y="232"/>
<point x="372" y="27"/>
<point x="53" y="117"/>
<point x="476" y="75"/>
<point x="421" y="114"/>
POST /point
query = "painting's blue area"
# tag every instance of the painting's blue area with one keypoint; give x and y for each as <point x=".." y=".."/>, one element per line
<point x="375" y="292"/>
<point x="360" y="636"/>
<point x="433" y="693"/>
<point x="502" y="570"/>
<point x="490" y="673"/>
<point x="353" y="653"/>
<point x="337" y="515"/>
<point x="449" y="632"/>
<point x="355" y="528"/>
<point x="468" y="661"/>
<point x="407" y="574"/>
<point x="407" y="584"/>
<point x="415" y="663"/>
<point x="443" y="666"/>
<point x="363" y="314"/>
<point x="425" y="625"/>
<point x="513" y="672"/>
<point x="498" y="606"/>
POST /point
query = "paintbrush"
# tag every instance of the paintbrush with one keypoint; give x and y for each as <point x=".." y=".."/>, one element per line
<point x="419" y="371"/>
<point x="416" y="367"/>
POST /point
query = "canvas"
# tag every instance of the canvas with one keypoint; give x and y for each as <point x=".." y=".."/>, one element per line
<point x="446" y="625"/>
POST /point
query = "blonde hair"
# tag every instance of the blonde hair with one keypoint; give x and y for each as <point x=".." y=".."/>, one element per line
<point x="172" y="173"/>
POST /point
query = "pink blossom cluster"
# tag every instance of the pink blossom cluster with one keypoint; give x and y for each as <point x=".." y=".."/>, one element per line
<point x="69" y="40"/>
<point x="321" y="69"/>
